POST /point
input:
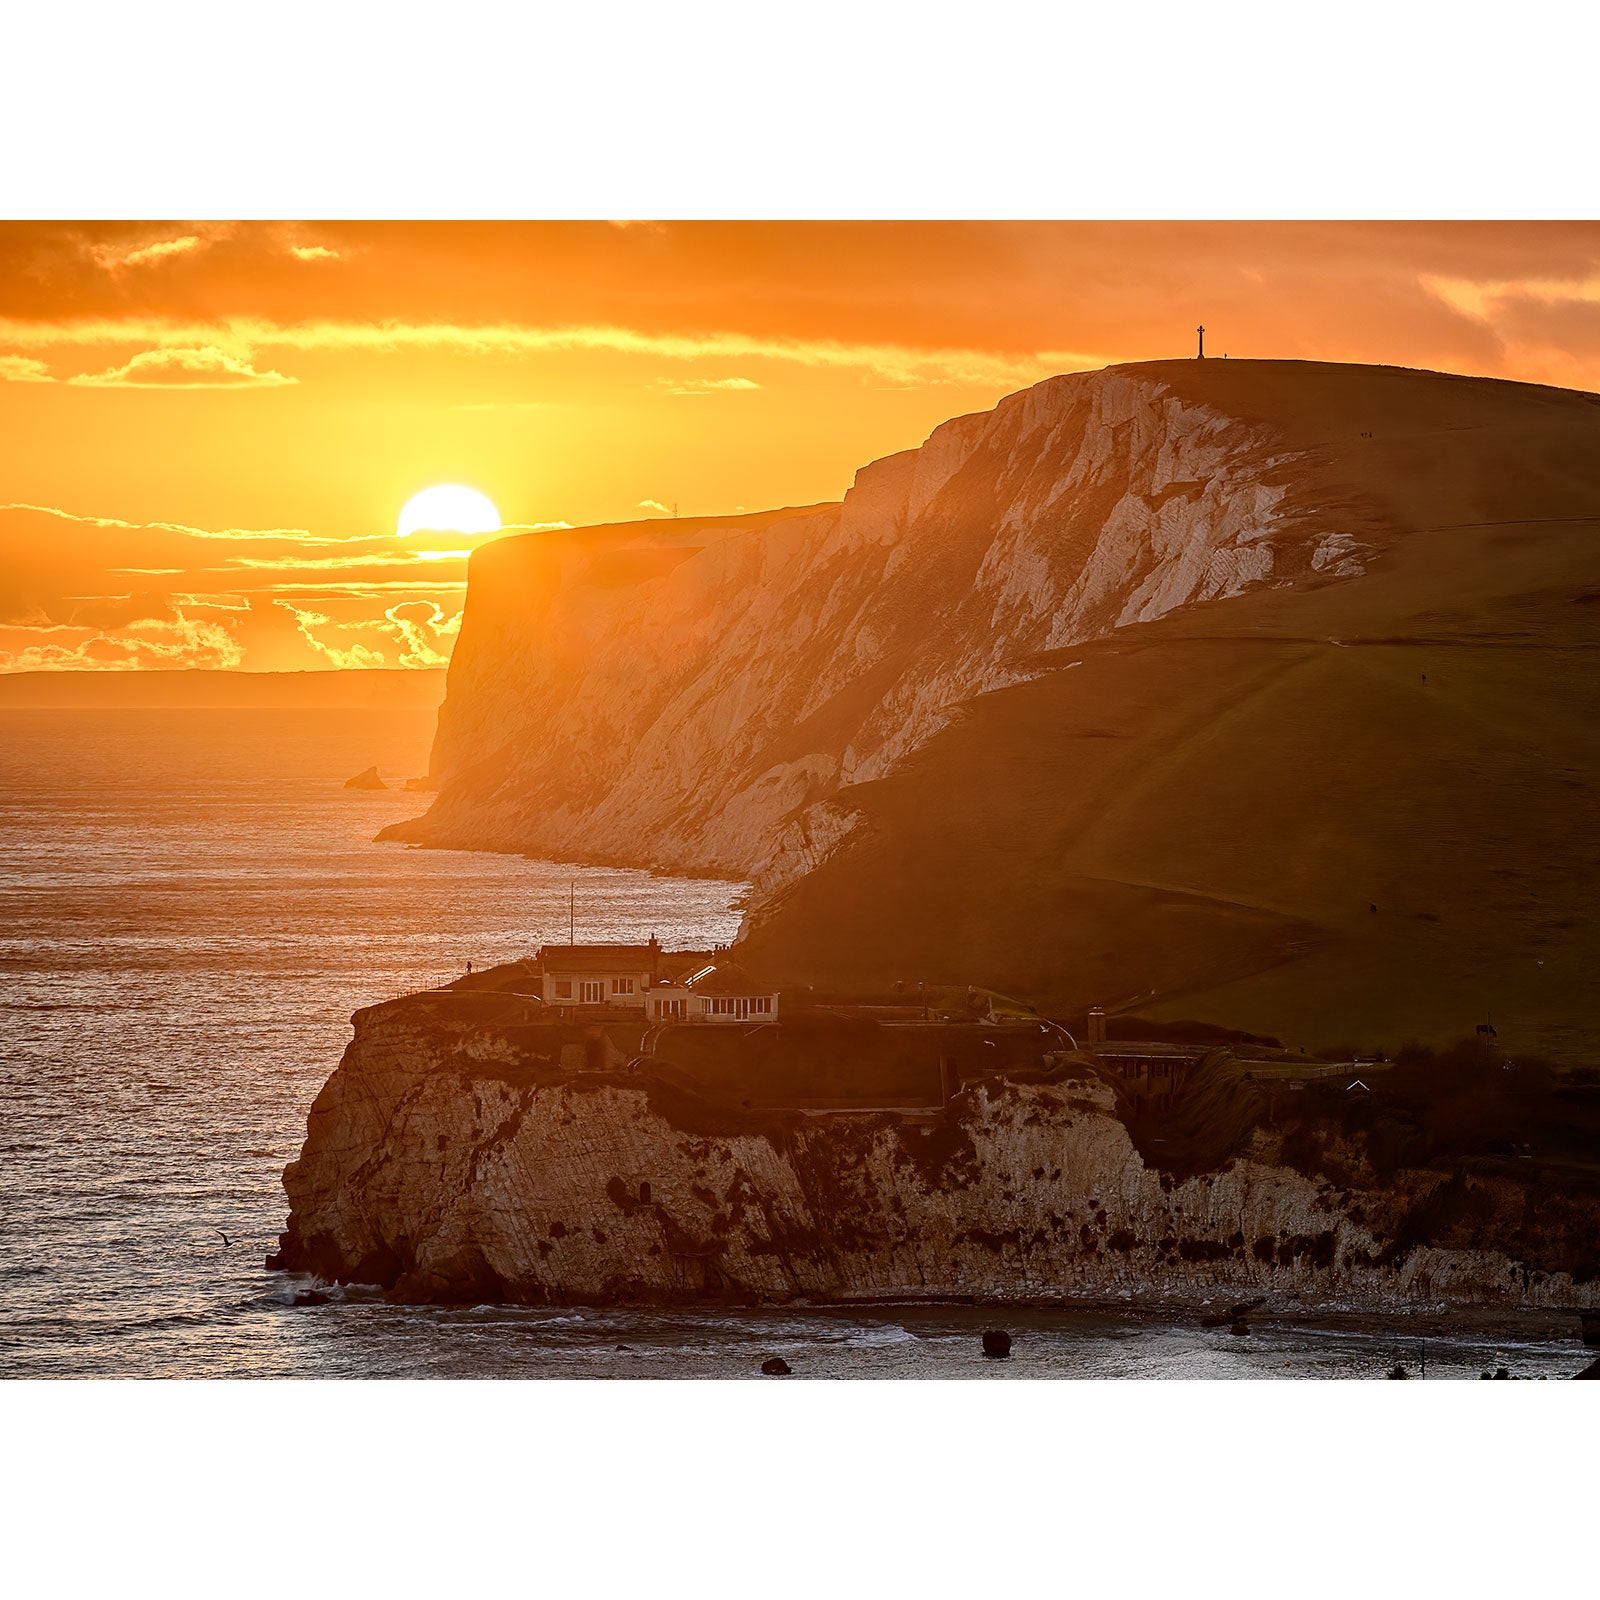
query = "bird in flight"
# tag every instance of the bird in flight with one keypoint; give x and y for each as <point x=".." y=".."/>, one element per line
<point x="225" y="1239"/>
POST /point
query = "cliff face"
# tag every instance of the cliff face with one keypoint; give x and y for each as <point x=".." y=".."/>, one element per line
<point x="693" y="695"/>
<point x="443" y="1164"/>
<point x="1262" y="693"/>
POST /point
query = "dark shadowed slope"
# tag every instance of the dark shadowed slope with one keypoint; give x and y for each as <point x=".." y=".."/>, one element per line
<point x="1349" y="812"/>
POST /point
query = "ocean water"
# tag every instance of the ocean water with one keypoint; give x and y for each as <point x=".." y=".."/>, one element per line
<point x="191" y="906"/>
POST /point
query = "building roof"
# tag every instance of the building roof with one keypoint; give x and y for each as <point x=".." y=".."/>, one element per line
<point x="596" y="957"/>
<point x="727" y="977"/>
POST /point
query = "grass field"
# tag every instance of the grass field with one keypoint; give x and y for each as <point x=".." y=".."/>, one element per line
<point x="1342" y="812"/>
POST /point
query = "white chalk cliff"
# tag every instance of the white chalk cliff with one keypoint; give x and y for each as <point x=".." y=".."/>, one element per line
<point x="1260" y="694"/>
<point x="445" y="1161"/>
<point x="692" y="696"/>
<point x="1175" y="670"/>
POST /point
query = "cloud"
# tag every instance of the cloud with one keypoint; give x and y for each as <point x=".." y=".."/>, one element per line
<point x="24" y="369"/>
<point x="244" y="337"/>
<point x="1544" y="329"/>
<point x="356" y="589"/>
<point x="351" y="657"/>
<point x="655" y="505"/>
<point x="933" y="303"/>
<point x="372" y="561"/>
<point x="116" y="256"/>
<point x="186" y="643"/>
<point x="112" y="574"/>
<point x="298" y="535"/>
<point x="294" y="563"/>
<point x="314" y="252"/>
<point x="153" y="253"/>
<point x="345" y="627"/>
<point x="1481" y="298"/>
<point x="420" y="629"/>
<point x="160" y="645"/>
<point x="424" y="611"/>
<point x="122" y="611"/>
<point x="203" y="367"/>
<point x="420" y="624"/>
<point x="705" y="385"/>
<point x="39" y="658"/>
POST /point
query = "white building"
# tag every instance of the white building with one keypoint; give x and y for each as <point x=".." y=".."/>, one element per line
<point x="595" y="976"/>
<point x="600" y="977"/>
<point x="720" y="992"/>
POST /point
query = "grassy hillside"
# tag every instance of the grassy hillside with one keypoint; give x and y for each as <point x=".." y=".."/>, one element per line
<point x="1348" y="811"/>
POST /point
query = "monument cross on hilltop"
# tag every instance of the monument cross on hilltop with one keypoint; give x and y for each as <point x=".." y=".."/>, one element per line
<point x="1201" y="330"/>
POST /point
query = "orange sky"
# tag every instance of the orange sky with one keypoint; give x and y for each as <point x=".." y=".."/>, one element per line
<point x="209" y="429"/>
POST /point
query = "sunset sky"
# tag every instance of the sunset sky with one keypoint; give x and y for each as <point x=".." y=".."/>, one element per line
<point x="210" y="429"/>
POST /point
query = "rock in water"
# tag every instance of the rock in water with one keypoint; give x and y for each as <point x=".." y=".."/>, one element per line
<point x="311" y="1297"/>
<point x="776" y="1367"/>
<point x="1590" y="1371"/>
<point x="1398" y="1371"/>
<point x="996" y="1344"/>
<point x="366" y="780"/>
<point x="1240" y="1327"/>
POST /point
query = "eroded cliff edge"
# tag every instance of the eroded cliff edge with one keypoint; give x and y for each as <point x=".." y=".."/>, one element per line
<point x="691" y="694"/>
<point x="449" y="1159"/>
<point x="1251" y="691"/>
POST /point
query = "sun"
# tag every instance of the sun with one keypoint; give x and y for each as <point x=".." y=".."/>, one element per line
<point x="448" y="508"/>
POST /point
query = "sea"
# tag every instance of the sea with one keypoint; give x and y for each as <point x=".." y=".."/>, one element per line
<point x="192" y="905"/>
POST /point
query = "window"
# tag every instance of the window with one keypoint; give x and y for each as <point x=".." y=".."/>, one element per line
<point x="563" y="988"/>
<point x="739" y="1006"/>
<point x="669" y="1008"/>
<point x="622" y="986"/>
<point x="591" y="991"/>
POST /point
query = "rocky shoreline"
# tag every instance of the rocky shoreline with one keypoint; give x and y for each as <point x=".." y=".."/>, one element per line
<point x="454" y="1157"/>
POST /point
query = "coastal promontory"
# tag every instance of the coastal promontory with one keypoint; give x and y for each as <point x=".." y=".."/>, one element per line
<point x="468" y="1147"/>
<point x="1256" y="692"/>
